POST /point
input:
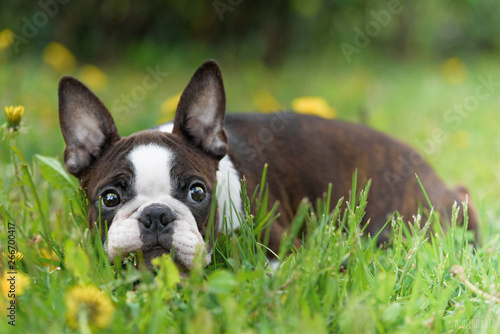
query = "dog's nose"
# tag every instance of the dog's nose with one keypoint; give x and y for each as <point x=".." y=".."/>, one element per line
<point x="155" y="218"/>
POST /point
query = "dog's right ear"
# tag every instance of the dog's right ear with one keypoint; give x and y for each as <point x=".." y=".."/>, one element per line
<point x="201" y="110"/>
<point x="86" y="124"/>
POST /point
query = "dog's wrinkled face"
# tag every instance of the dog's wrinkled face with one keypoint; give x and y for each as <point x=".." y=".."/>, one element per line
<point x="155" y="194"/>
<point x="153" y="189"/>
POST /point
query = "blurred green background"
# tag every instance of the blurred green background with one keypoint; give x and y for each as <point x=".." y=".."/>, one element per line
<point x="397" y="66"/>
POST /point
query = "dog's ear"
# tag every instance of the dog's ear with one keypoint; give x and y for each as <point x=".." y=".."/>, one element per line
<point x="86" y="124"/>
<point x="201" y="110"/>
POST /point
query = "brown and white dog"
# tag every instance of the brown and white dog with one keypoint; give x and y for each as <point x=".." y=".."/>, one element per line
<point x="156" y="187"/>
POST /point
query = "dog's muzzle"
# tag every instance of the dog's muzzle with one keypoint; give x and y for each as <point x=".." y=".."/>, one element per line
<point x="156" y="225"/>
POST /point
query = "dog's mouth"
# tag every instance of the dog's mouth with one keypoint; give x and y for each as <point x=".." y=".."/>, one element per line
<point x="182" y="250"/>
<point x="153" y="252"/>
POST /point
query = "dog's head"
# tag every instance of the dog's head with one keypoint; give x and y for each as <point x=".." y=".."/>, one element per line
<point x="153" y="189"/>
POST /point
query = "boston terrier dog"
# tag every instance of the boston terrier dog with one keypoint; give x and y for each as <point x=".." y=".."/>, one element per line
<point x="154" y="189"/>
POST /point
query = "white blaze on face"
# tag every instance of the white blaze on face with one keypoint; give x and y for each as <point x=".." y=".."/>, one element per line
<point x="152" y="166"/>
<point x="152" y="184"/>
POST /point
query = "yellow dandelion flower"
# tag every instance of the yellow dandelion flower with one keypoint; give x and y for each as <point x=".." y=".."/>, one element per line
<point x="314" y="105"/>
<point x="169" y="106"/>
<point x="93" y="76"/>
<point x="90" y="304"/>
<point x="6" y="38"/>
<point x="265" y="102"/>
<point x="16" y="257"/>
<point x="59" y="57"/>
<point x="14" y="116"/>
<point x="14" y="283"/>
<point x="453" y="71"/>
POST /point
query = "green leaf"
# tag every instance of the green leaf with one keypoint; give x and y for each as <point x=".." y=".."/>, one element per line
<point x="385" y="286"/>
<point x="48" y="261"/>
<point x="53" y="171"/>
<point x="5" y="202"/>
<point x="167" y="272"/>
<point x="77" y="262"/>
<point x="221" y="282"/>
<point x="391" y="314"/>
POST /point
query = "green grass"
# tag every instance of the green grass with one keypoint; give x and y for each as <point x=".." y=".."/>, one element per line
<point x="339" y="281"/>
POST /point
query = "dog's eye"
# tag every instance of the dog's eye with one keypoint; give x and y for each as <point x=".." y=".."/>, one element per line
<point x="110" y="199"/>
<point x="196" y="193"/>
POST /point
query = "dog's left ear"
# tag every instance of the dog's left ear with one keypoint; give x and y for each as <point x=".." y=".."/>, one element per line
<point x="86" y="124"/>
<point x="201" y="110"/>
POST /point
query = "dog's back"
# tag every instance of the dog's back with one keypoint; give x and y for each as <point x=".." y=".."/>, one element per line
<point x="306" y="153"/>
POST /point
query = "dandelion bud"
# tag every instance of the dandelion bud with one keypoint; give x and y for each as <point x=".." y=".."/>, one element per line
<point x="14" y="115"/>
